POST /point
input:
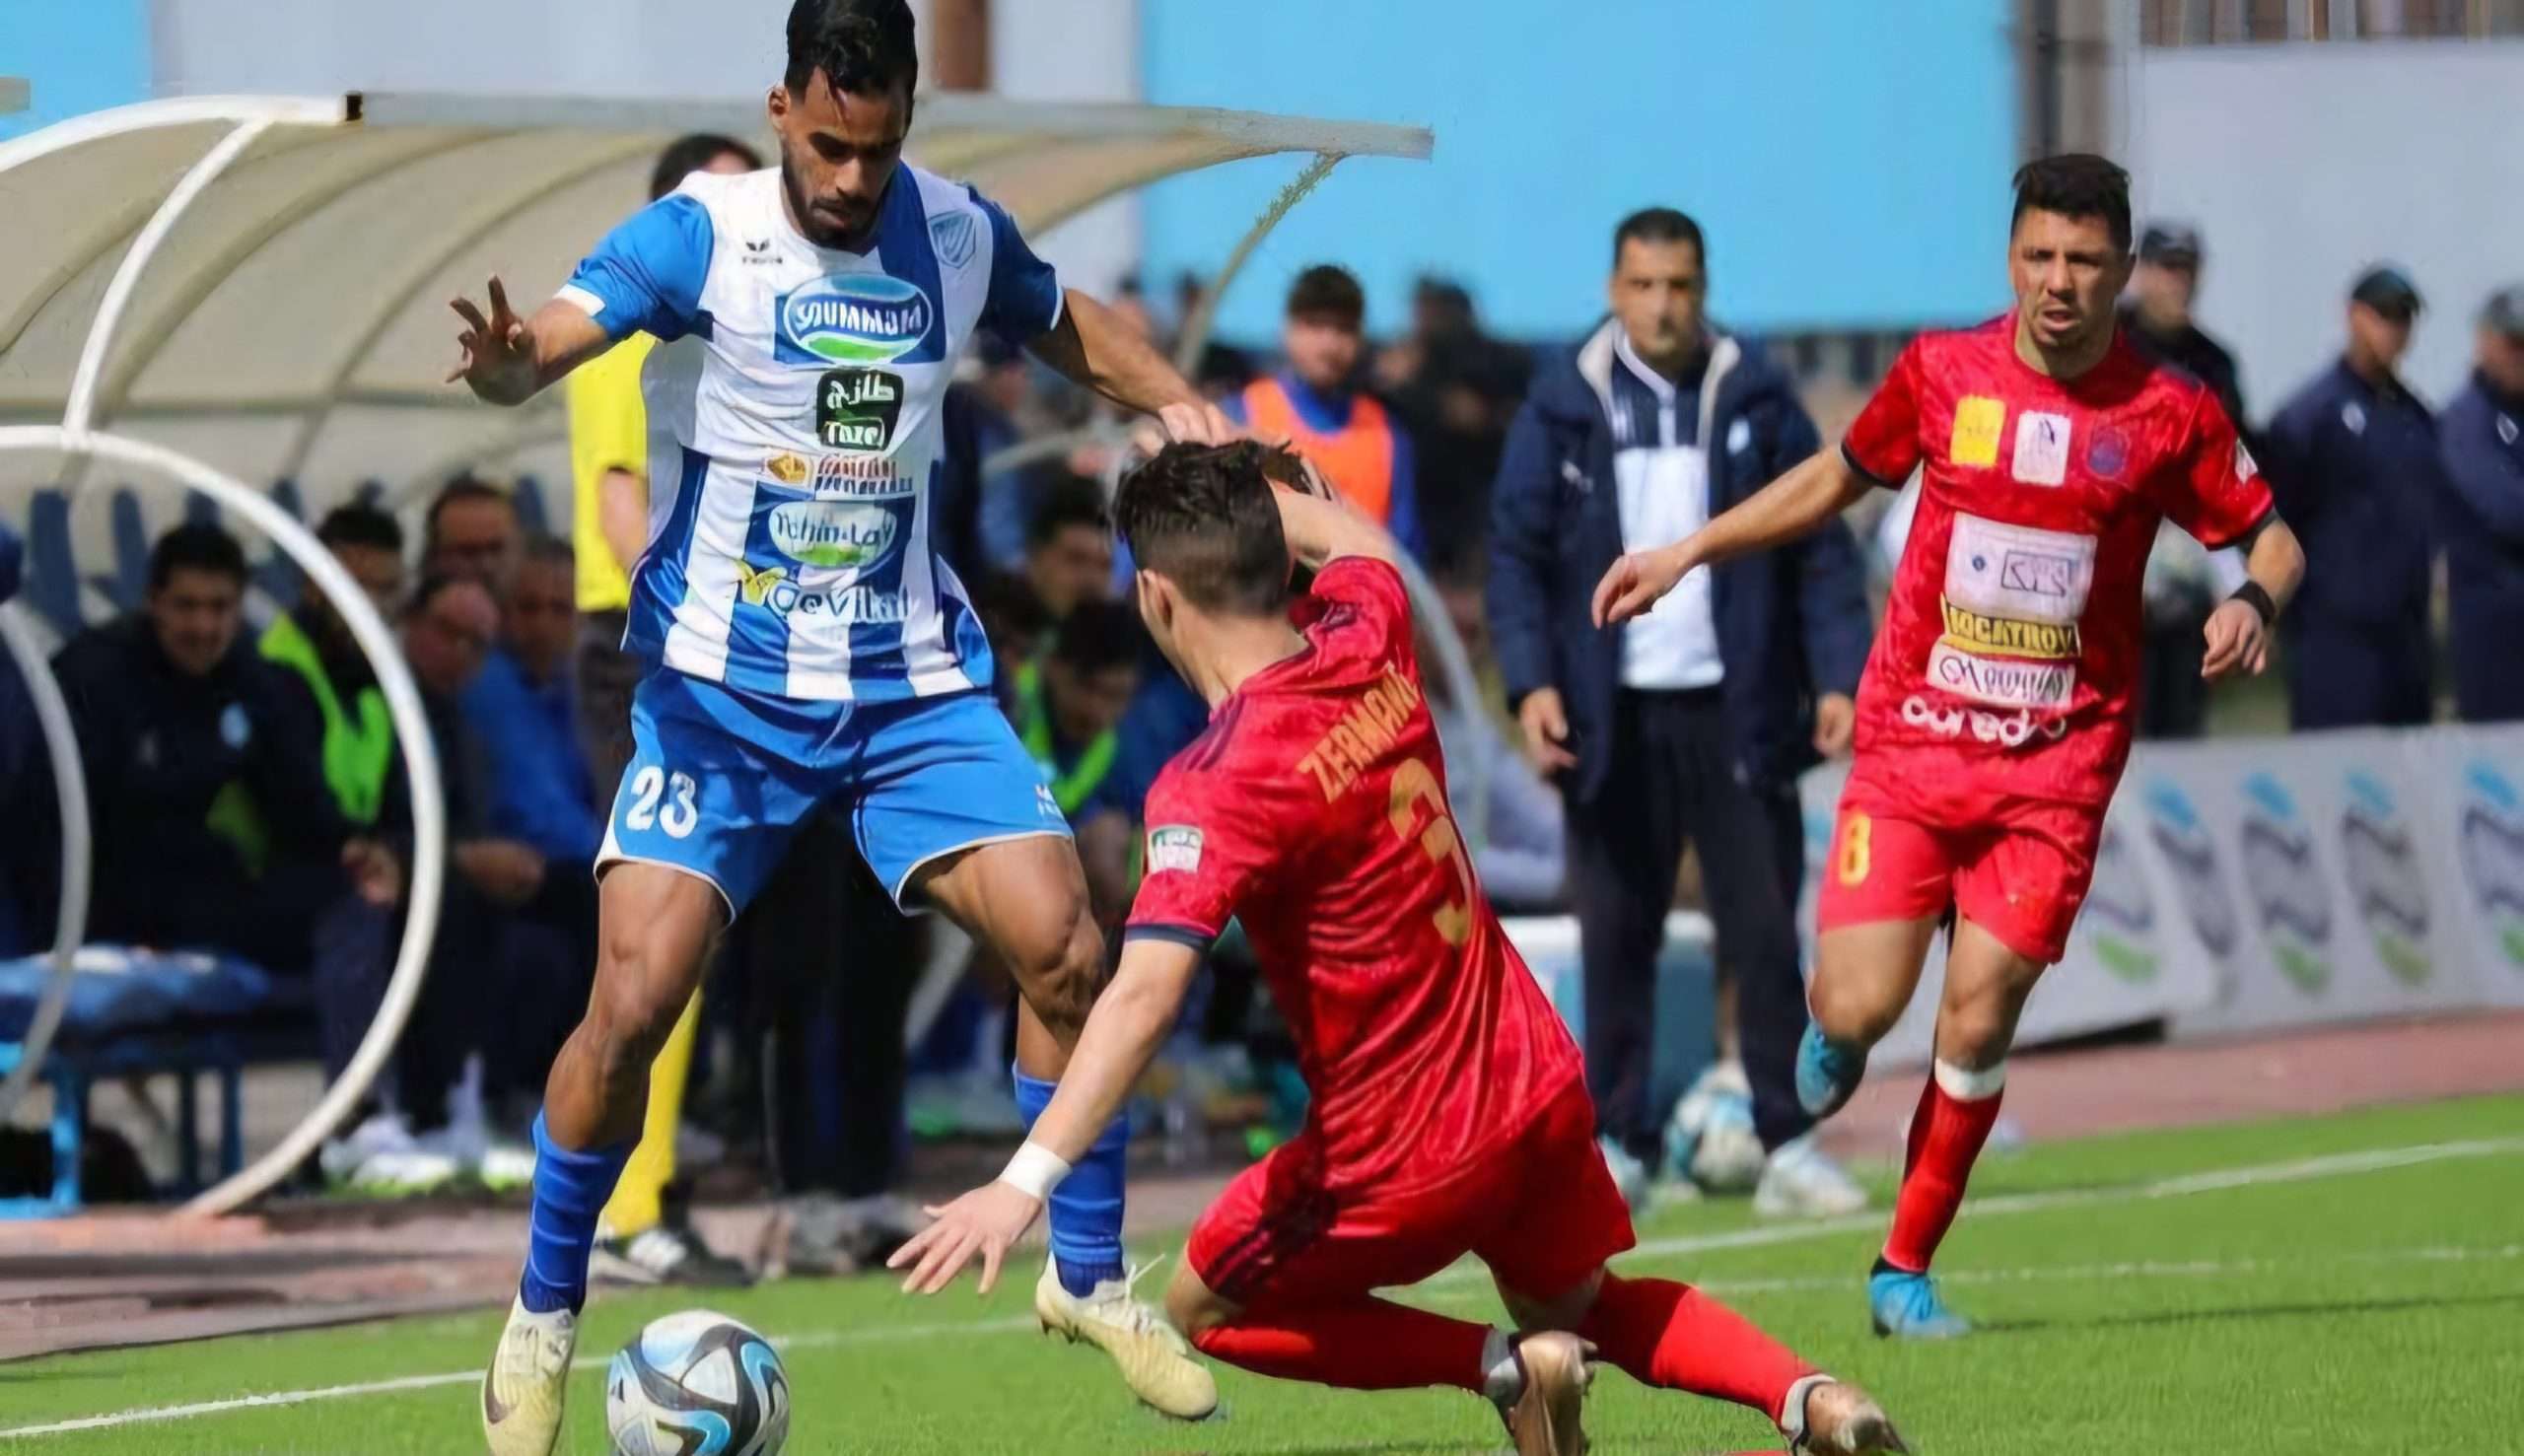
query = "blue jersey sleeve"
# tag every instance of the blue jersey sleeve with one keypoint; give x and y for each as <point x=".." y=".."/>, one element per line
<point x="1024" y="298"/>
<point x="646" y="276"/>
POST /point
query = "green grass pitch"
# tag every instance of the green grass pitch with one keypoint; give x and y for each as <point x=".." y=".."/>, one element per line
<point x="2342" y="1285"/>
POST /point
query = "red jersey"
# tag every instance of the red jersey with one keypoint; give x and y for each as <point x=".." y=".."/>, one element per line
<point x="1314" y="812"/>
<point x="2005" y="666"/>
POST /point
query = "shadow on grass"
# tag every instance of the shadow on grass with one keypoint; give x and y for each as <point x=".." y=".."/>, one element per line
<point x="2253" y="1312"/>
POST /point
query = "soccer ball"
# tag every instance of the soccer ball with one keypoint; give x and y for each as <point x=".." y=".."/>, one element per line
<point x="1710" y="1139"/>
<point x="697" y="1384"/>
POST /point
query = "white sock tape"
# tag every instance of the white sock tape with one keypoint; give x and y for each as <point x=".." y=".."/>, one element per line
<point x="1971" y="1087"/>
<point x="1035" y="1170"/>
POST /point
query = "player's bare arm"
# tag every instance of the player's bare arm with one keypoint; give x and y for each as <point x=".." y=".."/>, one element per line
<point x="1321" y="530"/>
<point x="622" y="515"/>
<point x="1812" y="492"/>
<point x="1130" y="1022"/>
<point x="508" y="360"/>
<point x="1093" y="346"/>
<point x="2238" y="631"/>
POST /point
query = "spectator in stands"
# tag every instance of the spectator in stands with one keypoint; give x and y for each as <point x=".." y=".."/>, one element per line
<point x="1455" y="389"/>
<point x="1069" y="547"/>
<point x="2482" y="518"/>
<point x="1069" y="707"/>
<point x="609" y="493"/>
<point x="472" y="532"/>
<point x="1316" y="406"/>
<point x="1691" y="724"/>
<point x="213" y="826"/>
<point x="322" y="665"/>
<point x="2184" y="581"/>
<point x="2354" y="463"/>
<point x="520" y="707"/>
<point x="1007" y="498"/>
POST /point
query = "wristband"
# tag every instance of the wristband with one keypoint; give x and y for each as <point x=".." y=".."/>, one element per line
<point x="2252" y="595"/>
<point x="1034" y="1170"/>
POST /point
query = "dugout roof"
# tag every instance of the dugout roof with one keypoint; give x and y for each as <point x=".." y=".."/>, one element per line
<point x="292" y="323"/>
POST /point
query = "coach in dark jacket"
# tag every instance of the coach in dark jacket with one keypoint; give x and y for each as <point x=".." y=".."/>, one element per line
<point x="2354" y="463"/>
<point x="2481" y="520"/>
<point x="1694" y="722"/>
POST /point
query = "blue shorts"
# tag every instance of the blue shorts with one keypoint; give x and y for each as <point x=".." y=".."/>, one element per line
<point x="720" y="778"/>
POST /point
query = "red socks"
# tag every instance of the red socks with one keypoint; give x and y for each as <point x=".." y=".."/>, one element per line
<point x="1358" y="1345"/>
<point x="1666" y="1334"/>
<point x="1957" y="1109"/>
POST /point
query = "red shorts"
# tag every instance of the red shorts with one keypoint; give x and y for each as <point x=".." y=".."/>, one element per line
<point x="2022" y="877"/>
<point x="1541" y="1211"/>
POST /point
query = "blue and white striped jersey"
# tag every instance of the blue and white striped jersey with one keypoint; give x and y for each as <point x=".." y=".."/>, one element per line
<point x="795" y="434"/>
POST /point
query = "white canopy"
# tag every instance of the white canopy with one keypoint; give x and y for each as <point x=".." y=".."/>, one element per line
<point x="291" y="324"/>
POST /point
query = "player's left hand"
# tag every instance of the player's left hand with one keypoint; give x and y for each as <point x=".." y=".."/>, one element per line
<point x="1194" y="424"/>
<point x="988" y="1221"/>
<point x="1835" y="723"/>
<point x="2237" y="642"/>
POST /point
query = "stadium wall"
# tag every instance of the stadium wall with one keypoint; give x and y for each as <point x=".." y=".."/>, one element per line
<point x="1851" y="165"/>
<point x="2327" y="157"/>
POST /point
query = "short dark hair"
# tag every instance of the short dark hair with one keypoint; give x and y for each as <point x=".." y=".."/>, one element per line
<point x="863" y="46"/>
<point x="1099" y="636"/>
<point x="1203" y="517"/>
<point x="546" y="549"/>
<point x="197" y="546"/>
<point x="1328" y="291"/>
<point x="1070" y="500"/>
<point x="1660" y="225"/>
<point x="687" y="155"/>
<point x="463" y="488"/>
<point x="2075" y="185"/>
<point x="435" y="585"/>
<point x="359" y="523"/>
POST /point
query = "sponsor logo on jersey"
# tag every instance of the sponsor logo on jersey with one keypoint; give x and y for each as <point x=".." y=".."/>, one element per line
<point x="2382" y="866"/>
<point x="2284" y="874"/>
<point x="1966" y="628"/>
<point x="835" y="534"/>
<point x="1979" y="420"/>
<point x="1173" y="847"/>
<point x="851" y="319"/>
<point x="2006" y="730"/>
<point x="2040" y="449"/>
<point x="2184" y="841"/>
<point x="2018" y="571"/>
<point x="857" y="409"/>
<point x="2003" y="681"/>
<point x="788" y="469"/>
<point x="953" y="236"/>
<point x="769" y="587"/>
<point x="2107" y="453"/>
<point x="861" y="478"/>
<point x="2493" y="850"/>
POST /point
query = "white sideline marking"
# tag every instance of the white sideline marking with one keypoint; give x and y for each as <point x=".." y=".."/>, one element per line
<point x="2329" y="1165"/>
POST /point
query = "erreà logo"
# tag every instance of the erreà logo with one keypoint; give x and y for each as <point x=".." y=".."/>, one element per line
<point x="2383" y="874"/>
<point x="2286" y="883"/>
<point x="2492" y="838"/>
<point x="2179" y="835"/>
<point x="2120" y="916"/>
<point x="851" y="319"/>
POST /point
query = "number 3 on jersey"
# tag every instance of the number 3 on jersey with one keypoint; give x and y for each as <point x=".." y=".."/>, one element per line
<point x="680" y="813"/>
<point x="1413" y="789"/>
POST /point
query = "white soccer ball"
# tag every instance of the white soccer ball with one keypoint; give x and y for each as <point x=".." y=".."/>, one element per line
<point x="1710" y="1139"/>
<point x="697" y="1384"/>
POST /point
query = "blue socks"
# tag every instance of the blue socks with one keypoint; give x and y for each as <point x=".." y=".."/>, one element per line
<point x="1086" y="1207"/>
<point x="570" y="1192"/>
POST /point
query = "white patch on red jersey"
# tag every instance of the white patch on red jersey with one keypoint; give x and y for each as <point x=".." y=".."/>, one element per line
<point x="2018" y="571"/>
<point x="2040" y="449"/>
<point x="2005" y="682"/>
<point x="1173" y="847"/>
<point x="2245" y="470"/>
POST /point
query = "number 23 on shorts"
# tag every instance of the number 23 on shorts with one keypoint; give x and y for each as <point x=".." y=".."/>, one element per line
<point x="668" y="802"/>
<point x="1855" y="854"/>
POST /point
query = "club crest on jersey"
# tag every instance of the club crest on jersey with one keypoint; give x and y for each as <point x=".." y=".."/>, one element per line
<point x="851" y="319"/>
<point x="954" y="237"/>
<point x="2107" y="452"/>
<point x="1978" y="421"/>
<point x="788" y="469"/>
<point x="1173" y="847"/>
<point x="2040" y="449"/>
<point x="857" y="409"/>
<point x="833" y="533"/>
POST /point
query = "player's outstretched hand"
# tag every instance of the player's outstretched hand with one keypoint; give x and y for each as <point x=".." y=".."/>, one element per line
<point x="499" y="353"/>
<point x="2238" y="642"/>
<point x="1195" y="424"/>
<point x="989" y="1220"/>
<point x="1637" y="582"/>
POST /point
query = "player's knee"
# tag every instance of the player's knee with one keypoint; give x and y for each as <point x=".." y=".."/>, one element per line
<point x="1192" y="1307"/>
<point x="634" y="1005"/>
<point x="1973" y="1032"/>
<point x="1850" y="1006"/>
<point x="1060" y="961"/>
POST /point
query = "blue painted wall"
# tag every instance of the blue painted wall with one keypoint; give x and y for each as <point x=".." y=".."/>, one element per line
<point x="81" y="55"/>
<point x="1850" y="171"/>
